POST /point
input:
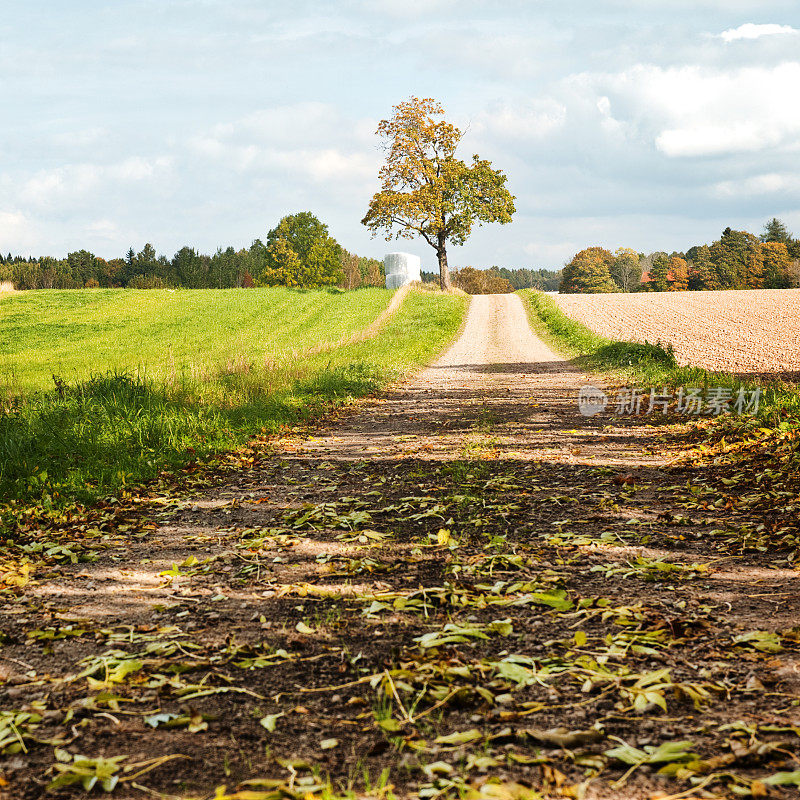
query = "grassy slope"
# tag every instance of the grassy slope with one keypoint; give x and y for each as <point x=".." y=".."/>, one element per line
<point x="162" y="332"/>
<point x="118" y="429"/>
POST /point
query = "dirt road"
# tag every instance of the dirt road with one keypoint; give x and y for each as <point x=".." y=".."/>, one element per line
<point x="463" y="588"/>
<point x="498" y="386"/>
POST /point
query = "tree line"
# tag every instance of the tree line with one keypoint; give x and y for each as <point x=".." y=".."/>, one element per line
<point x="299" y="251"/>
<point x="499" y="280"/>
<point x="737" y="260"/>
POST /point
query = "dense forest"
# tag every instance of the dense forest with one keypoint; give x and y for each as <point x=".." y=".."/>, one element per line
<point x="737" y="260"/>
<point x="298" y="252"/>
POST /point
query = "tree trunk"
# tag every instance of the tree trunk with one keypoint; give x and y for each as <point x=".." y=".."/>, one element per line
<point x="444" y="272"/>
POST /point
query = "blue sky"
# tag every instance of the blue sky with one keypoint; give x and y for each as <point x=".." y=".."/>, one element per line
<point x="634" y="123"/>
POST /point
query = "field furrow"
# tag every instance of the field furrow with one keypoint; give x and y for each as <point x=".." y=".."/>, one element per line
<point x="737" y="331"/>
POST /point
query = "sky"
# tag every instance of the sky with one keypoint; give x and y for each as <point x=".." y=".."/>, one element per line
<point x="620" y="123"/>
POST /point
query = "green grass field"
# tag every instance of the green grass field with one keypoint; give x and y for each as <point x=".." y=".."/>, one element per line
<point x="160" y="333"/>
<point x="243" y="365"/>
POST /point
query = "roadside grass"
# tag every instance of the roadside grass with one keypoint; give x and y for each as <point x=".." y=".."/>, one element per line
<point x="121" y="427"/>
<point x="167" y="334"/>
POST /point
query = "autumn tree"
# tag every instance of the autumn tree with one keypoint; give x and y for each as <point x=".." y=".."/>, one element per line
<point x="352" y="274"/>
<point x="776" y="265"/>
<point x="469" y="280"/>
<point x="589" y="271"/>
<point x="678" y="274"/>
<point x="112" y="272"/>
<point x="793" y="274"/>
<point x="425" y="190"/>
<point x="625" y="271"/>
<point x="481" y="281"/>
<point x="495" y="283"/>
<point x="372" y="271"/>
<point x="737" y="261"/>
<point x="360" y="271"/>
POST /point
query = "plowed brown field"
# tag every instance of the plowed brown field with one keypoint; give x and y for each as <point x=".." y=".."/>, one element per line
<point x="738" y="331"/>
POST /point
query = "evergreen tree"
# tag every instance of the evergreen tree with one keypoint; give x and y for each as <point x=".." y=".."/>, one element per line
<point x="658" y="273"/>
<point x="224" y="269"/>
<point x="776" y="231"/>
<point x="81" y="266"/>
<point x="147" y="260"/>
<point x="190" y="268"/>
<point x="130" y="266"/>
<point x="701" y="270"/>
<point x="257" y="260"/>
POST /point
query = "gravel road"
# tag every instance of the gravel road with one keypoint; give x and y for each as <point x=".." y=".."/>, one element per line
<point x="499" y="388"/>
<point x="496" y="332"/>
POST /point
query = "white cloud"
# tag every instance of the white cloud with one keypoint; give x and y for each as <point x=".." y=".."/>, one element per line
<point x="293" y="125"/>
<point x="693" y="131"/>
<point x="405" y="9"/>
<point x="16" y="230"/>
<point x="752" y="31"/>
<point x="66" y="184"/>
<point x="552" y="252"/>
<point x="309" y="141"/>
<point x="534" y="119"/>
<point x="105" y="229"/>
<point x="137" y="169"/>
<point x="330" y="164"/>
<point x="766" y="184"/>
<point x="319" y="165"/>
<point x="80" y="138"/>
<point x="712" y="140"/>
<point x="694" y="111"/>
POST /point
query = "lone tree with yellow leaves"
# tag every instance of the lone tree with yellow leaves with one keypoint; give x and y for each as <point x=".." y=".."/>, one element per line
<point x="425" y="190"/>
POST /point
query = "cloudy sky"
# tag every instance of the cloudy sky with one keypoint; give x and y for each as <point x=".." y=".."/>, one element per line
<point x="650" y="124"/>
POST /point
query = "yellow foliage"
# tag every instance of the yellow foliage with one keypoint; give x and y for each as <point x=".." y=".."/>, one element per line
<point x="425" y="190"/>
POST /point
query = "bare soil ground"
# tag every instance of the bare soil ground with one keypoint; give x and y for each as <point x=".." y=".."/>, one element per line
<point x="754" y="331"/>
<point x="461" y="588"/>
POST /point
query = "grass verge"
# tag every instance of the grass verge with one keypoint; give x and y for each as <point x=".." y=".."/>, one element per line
<point x="88" y="440"/>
